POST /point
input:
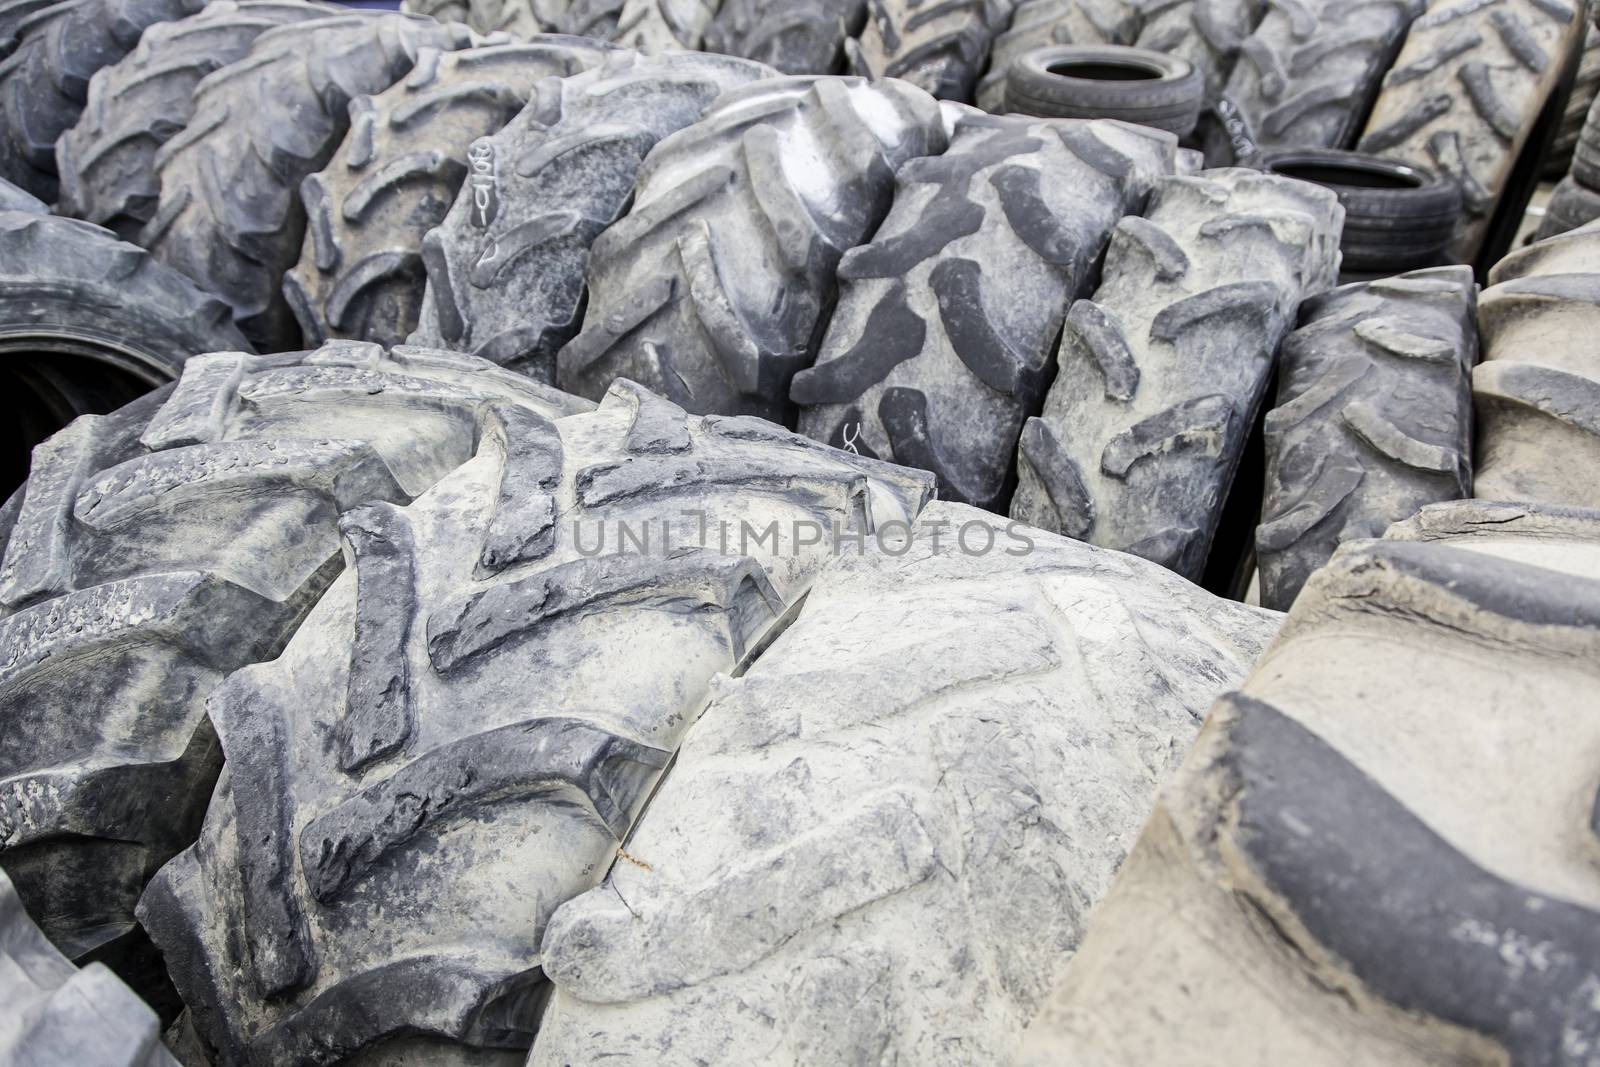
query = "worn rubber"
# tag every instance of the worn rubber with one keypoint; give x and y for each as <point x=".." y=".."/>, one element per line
<point x="1168" y="101"/>
<point x="14" y="199"/>
<point x="1536" y="395"/>
<point x="443" y="10"/>
<point x="1463" y="95"/>
<point x="592" y="18"/>
<point x="940" y="46"/>
<point x="14" y="15"/>
<point x="791" y="36"/>
<point x="655" y="25"/>
<point x="1208" y="33"/>
<point x="1570" y="206"/>
<point x="1364" y="854"/>
<point x="1586" y="154"/>
<point x="360" y="273"/>
<point x="156" y="549"/>
<point x="107" y="161"/>
<point x="467" y="723"/>
<point x="229" y="215"/>
<point x="715" y="289"/>
<point x="1585" y="86"/>
<point x="1373" y="419"/>
<point x="947" y="770"/>
<point x="944" y="336"/>
<point x="1040" y="23"/>
<point x="1162" y="371"/>
<point x="505" y="265"/>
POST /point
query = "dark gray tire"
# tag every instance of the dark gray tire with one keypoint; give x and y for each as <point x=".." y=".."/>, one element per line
<point x="1162" y="371"/>
<point x="1041" y="23"/>
<point x="940" y="46"/>
<point x="107" y="161"/>
<point x="360" y="273"/>
<point x="14" y="14"/>
<point x="464" y="728"/>
<point x="156" y="549"/>
<point x="44" y="83"/>
<point x="229" y="215"/>
<point x="592" y="18"/>
<point x="804" y="37"/>
<point x="944" y="336"/>
<point x="1586" y="154"/>
<point x="1106" y="82"/>
<point x="1373" y="419"/>
<point x="716" y="287"/>
<point x="1570" y="206"/>
<point x="1585" y="87"/>
<point x="1208" y="33"/>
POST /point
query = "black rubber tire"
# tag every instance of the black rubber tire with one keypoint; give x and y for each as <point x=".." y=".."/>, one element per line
<point x="1570" y="205"/>
<point x="1106" y="82"/>
<point x="1397" y="217"/>
<point x="791" y="36"/>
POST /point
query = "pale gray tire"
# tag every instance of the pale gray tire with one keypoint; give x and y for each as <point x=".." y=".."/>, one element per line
<point x="14" y="199"/>
<point x="944" y="336"/>
<point x="1040" y="23"/>
<point x="443" y="10"/>
<point x="464" y="728"/>
<point x="948" y="773"/>
<point x="715" y="288"/>
<point x="1463" y="95"/>
<point x="360" y="273"/>
<point x="1161" y="372"/>
<point x="940" y="46"/>
<point x="59" y="1016"/>
<point x="1336" y="872"/>
<point x="1372" y="419"/>
<point x="1570" y="206"/>
<point x="156" y="549"/>
<point x="1208" y="33"/>
<point x="1585" y="86"/>
<point x="592" y="18"/>
<point x="655" y="25"/>
<point x="505" y="265"/>
<point x="1537" y="392"/>
<point x="791" y="36"/>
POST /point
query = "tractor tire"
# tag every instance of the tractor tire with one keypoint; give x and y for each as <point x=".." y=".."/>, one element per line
<point x="657" y="25"/>
<point x="942" y="342"/>
<point x="715" y="289"/>
<point x="156" y="549"/>
<point x="1536" y="394"/>
<point x="228" y="215"/>
<point x="592" y="18"/>
<point x="107" y="161"/>
<point x="505" y="265"/>
<point x="1586" y="154"/>
<point x="14" y="16"/>
<point x="1379" y="850"/>
<point x="45" y="81"/>
<point x="1106" y="82"/>
<point x="1585" y="87"/>
<point x="947" y="774"/>
<point x="1208" y="33"/>
<point x="939" y="46"/>
<point x="360" y="273"/>
<point x="1464" y="94"/>
<point x="1570" y="206"/>
<point x="1373" y="419"/>
<point x="1041" y="23"/>
<point x="805" y="37"/>
<point x="1162" y="372"/>
<point x="462" y="738"/>
<point x="441" y="10"/>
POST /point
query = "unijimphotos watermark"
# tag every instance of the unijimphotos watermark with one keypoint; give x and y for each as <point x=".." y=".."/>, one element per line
<point x="700" y="529"/>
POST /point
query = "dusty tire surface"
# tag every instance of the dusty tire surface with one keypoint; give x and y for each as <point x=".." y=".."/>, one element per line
<point x="928" y="782"/>
<point x="1372" y="419"/>
<point x="1318" y="887"/>
<point x="1570" y="206"/>
<point x="791" y="36"/>
<point x="504" y="690"/>
<point x="400" y="168"/>
<point x="714" y="289"/>
<point x="15" y="199"/>
<point x="1106" y="82"/>
<point x="1161" y="371"/>
<point x="505" y="265"/>
<point x="937" y="45"/>
<point x="657" y="25"/>
<point x="1040" y="23"/>
<point x="1585" y="87"/>
<point x="942" y="341"/>
<point x="1208" y="33"/>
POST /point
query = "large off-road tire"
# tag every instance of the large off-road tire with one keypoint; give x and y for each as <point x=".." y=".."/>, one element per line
<point x="462" y="731"/>
<point x="1161" y="373"/>
<point x="716" y="287"/>
<point x="942" y="342"/>
<point x="1373" y="419"/>
<point x="154" y="550"/>
<point x="1464" y="93"/>
<point x="1208" y="33"/>
<point x="1040" y="23"/>
<point x="505" y="266"/>
<point x="15" y="199"/>
<point x="655" y="25"/>
<point x="360" y="273"/>
<point x="1536" y="394"/>
<point x="1586" y="155"/>
<point x="44" y="83"/>
<point x="1585" y="87"/>
<point x="229" y="215"/>
<point x="1106" y="82"/>
<point x="107" y="161"/>
<point x="443" y="10"/>
<point x="592" y="18"/>
<point x="937" y="45"/>
<point x="1307" y="76"/>
<point x="88" y="323"/>
<point x="1381" y="849"/>
<point x="1570" y="206"/>
<point x="791" y="36"/>
<point x="59" y="1016"/>
<point x="14" y="16"/>
<point x="947" y="773"/>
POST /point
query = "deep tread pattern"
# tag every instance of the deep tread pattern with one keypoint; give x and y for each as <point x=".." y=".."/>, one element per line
<point x="1585" y="87"/>
<point x="967" y="325"/>
<point x="229" y="215"/>
<point x="1320" y="886"/>
<point x="1463" y="95"/>
<point x="1372" y="421"/>
<point x="714" y="290"/>
<point x="1208" y="33"/>
<point x="45" y="82"/>
<point x="544" y="701"/>
<point x="159" y="547"/>
<point x="656" y="25"/>
<point x="107" y="161"/>
<point x="937" y="752"/>
<point x="792" y="36"/>
<point x="1041" y="23"/>
<point x="1161" y="375"/>
<point x="360" y="273"/>
<point x="592" y="18"/>
<point x="505" y="266"/>
<point x="937" y="45"/>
